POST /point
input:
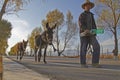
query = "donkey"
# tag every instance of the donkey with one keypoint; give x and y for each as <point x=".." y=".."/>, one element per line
<point x="42" y="41"/>
<point x="21" y="47"/>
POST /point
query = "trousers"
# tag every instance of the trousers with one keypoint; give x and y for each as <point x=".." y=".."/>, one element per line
<point x="89" y="40"/>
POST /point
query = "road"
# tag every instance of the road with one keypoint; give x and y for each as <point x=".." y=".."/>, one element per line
<point x="60" y="68"/>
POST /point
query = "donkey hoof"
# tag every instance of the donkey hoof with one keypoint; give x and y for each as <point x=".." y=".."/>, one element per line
<point x="55" y="50"/>
<point x="20" y="59"/>
<point x="45" y="62"/>
<point x="38" y="60"/>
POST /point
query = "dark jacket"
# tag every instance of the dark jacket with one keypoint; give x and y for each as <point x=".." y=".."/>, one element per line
<point x="86" y="21"/>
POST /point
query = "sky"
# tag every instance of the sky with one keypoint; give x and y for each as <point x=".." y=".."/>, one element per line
<point x="36" y="11"/>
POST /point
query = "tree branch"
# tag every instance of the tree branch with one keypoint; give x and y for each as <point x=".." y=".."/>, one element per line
<point x="109" y="26"/>
<point x="118" y="18"/>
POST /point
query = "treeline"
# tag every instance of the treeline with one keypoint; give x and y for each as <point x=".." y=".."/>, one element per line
<point x="5" y="33"/>
<point x="8" y="7"/>
<point x="65" y="31"/>
<point x="109" y="22"/>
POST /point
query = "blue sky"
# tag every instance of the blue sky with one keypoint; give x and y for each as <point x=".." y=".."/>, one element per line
<point x="36" y="11"/>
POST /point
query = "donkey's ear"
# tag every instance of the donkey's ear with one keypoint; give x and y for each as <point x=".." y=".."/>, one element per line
<point x="23" y="40"/>
<point x="54" y="26"/>
<point x="47" y="26"/>
<point x="27" y="41"/>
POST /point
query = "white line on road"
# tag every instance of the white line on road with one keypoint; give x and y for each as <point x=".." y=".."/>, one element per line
<point x="75" y="65"/>
<point x="63" y="64"/>
<point x="110" y="69"/>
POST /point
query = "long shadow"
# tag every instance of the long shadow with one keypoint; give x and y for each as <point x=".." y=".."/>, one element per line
<point x="115" y="67"/>
<point x="47" y="69"/>
<point x="66" y="64"/>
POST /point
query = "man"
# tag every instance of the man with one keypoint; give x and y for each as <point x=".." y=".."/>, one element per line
<point x="87" y="23"/>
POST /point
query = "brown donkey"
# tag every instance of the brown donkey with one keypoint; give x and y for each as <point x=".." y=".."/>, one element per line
<point x="21" y="47"/>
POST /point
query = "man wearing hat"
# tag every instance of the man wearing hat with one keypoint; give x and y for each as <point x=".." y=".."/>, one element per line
<point x="86" y="24"/>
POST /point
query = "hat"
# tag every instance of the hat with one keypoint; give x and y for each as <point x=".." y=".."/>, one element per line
<point x="86" y="3"/>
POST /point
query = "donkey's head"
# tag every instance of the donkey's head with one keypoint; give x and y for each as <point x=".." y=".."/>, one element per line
<point x="49" y="33"/>
<point x="25" y="44"/>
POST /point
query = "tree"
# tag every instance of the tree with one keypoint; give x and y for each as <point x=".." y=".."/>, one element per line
<point x="31" y="38"/>
<point x="4" y="45"/>
<point x="61" y="36"/>
<point x="53" y="17"/>
<point x="5" y="31"/>
<point x="78" y="49"/>
<point x="14" y="49"/>
<point x="109" y="17"/>
<point x="11" y="6"/>
<point x="67" y="34"/>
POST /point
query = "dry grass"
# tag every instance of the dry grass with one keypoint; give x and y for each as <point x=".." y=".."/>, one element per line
<point x="104" y="56"/>
<point x="119" y="56"/>
<point x="107" y="56"/>
<point x="89" y="56"/>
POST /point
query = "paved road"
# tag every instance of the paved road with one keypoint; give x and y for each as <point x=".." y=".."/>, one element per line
<point x="16" y="71"/>
<point x="59" y="68"/>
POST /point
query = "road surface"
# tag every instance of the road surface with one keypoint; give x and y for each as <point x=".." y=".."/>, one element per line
<point x="60" y="68"/>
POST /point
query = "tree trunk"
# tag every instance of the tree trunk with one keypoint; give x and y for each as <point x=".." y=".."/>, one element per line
<point x="115" y="51"/>
<point x="1" y="67"/>
<point x="58" y="43"/>
<point x="3" y="9"/>
<point x="60" y="52"/>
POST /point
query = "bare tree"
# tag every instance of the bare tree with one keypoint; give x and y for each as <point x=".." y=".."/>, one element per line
<point x="70" y="30"/>
<point x="109" y="17"/>
<point x="11" y="6"/>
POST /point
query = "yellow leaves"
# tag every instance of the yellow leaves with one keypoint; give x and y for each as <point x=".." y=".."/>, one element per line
<point x="115" y="4"/>
<point x="5" y="29"/>
<point x="107" y="17"/>
<point x="14" y="49"/>
<point x="102" y="0"/>
<point x="31" y="38"/>
<point x="3" y="46"/>
<point x="108" y="11"/>
<point x="20" y="3"/>
<point x="69" y="16"/>
<point x="53" y="17"/>
<point x="5" y="33"/>
<point x="15" y="5"/>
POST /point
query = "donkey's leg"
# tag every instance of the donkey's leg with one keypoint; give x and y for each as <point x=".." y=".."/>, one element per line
<point x="39" y="55"/>
<point x="17" y="54"/>
<point x="45" y="54"/>
<point x="36" y="49"/>
<point x="53" y="47"/>
<point x="22" y="54"/>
